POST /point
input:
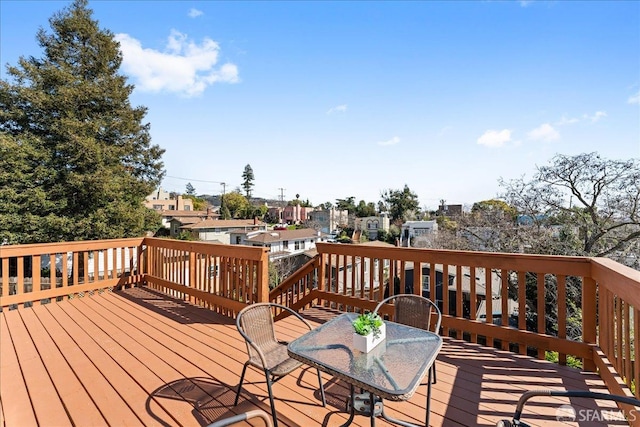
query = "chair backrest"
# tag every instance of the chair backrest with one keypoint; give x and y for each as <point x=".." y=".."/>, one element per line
<point x="414" y="310"/>
<point x="255" y="324"/>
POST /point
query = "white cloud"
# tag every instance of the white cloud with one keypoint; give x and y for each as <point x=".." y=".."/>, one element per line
<point x="525" y="3"/>
<point x="337" y="109"/>
<point x="544" y="132"/>
<point x="185" y="67"/>
<point x="393" y="141"/>
<point x="194" y="13"/>
<point x="495" y="138"/>
<point x="634" y="99"/>
<point x="596" y="116"/>
<point x="567" y="121"/>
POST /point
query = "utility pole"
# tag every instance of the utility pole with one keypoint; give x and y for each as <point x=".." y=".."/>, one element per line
<point x="282" y="194"/>
<point x="224" y="189"/>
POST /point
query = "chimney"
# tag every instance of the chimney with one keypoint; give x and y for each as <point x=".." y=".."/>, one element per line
<point x="209" y="212"/>
<point x="255" y="220"/>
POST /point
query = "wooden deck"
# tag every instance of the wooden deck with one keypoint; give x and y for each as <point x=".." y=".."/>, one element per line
<point x="136" y="357"/>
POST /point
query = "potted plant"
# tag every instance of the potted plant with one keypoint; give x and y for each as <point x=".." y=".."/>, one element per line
<point x="369" y="331"/>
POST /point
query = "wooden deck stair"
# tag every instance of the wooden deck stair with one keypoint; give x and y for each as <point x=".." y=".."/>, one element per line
<point x="137" y="357"/>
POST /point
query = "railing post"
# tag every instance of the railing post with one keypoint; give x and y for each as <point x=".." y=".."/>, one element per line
<point x="143" y="263"/>
<point x="262" y="293"/>
<point x="589" y="312"/>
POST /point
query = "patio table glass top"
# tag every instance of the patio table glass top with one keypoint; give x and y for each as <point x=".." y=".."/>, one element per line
<point x="392" y="370"/>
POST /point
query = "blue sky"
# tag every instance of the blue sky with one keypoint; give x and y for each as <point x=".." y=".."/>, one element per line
<point x="336" y="99"/>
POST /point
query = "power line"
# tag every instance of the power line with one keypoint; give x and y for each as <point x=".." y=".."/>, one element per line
<point x="194" y="180"/>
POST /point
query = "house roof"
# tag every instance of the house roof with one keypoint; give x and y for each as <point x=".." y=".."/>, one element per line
<point x="282" y="235"/>
<point x="186" y="220"/>
<point x="377" y="243"/>
<point x="225" y="223"/>
<point x="496" y="308"/>
<point x="183" y="213"/>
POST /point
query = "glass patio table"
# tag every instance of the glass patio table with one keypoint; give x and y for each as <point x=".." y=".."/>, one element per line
<point x="393" y="370"/>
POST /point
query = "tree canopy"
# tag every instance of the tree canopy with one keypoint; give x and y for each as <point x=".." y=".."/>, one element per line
<point x="365" y="209"/>
<point x="595" y="201"/>
<point x="76" y="159"/>
<point x="400" y="203"/>
<point x="237" y="205"/>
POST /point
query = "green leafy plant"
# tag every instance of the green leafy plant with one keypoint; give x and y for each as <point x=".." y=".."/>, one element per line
<point x="367" y="323"/>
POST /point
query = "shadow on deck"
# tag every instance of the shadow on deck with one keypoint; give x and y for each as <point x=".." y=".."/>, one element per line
<point x="138" y="357"/>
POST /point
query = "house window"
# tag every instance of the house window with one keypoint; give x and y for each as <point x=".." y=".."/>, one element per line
<point x="157" y="207"/>
<point x="285" y="244"/>
<point x="298" y="244"/>
<point x="237" y="240"/>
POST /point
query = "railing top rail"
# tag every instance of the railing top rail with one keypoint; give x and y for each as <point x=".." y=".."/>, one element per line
<point x="617" y="278"/>
<point x="58" y="247"/>
<point x="207" y="248"/>
<point x="578" y="266"/>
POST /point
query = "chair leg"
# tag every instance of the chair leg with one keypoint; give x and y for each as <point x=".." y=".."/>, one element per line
<point x="426" y="422"/>
<point x="324" y="402"/>
<point x="434" y="372"/>
<point x="235" y="403"/>
<point x="273" y="407"/>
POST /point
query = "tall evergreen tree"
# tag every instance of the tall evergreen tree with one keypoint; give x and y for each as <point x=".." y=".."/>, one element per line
<point x="76" y="161"/>
<point x="190" y="189"/>
<point x="247" y="180"/>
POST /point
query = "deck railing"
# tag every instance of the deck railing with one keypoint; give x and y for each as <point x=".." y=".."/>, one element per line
<point x="224" y="278"/>
<point x="39" y="273"/>
<point x="582" y="307"/>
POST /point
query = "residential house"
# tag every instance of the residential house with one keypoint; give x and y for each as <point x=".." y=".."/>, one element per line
<point x="450" y="210"/>
<point x="219" y="230"/>
<point x="416" y="229"/>
<point x="371" y="225"/>
<point x="161" y="200"/>
<point x="329" y="220"/>
<point x="176" y="219"/>
<point x="282" y="243"/>
<point x="290" y="214"/>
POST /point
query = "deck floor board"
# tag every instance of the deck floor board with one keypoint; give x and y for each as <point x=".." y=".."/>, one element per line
<point x="138" y="357"/>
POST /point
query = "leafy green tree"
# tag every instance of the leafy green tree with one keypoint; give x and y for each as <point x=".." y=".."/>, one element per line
<point x="237" y="204"/>
<point x="494" y="207"/>
<point x="191" y="191"/>
<point x="347" y="204"/>
<point x="399" y="203"/>
<point x="389" y="236"/>
<point x="225" y="213"/>
<point x="247" y="180"/>
<point x="199" y="204"/>
<point x="259" y="211"/>
<point x="298" y="202"/>
<point x="365" y="209"/>
<point x="325" y="205"/>
<point x="76" y="159"/>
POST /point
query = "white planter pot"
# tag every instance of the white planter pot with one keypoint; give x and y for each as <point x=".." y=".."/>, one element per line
<point x="366" y="343"/>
